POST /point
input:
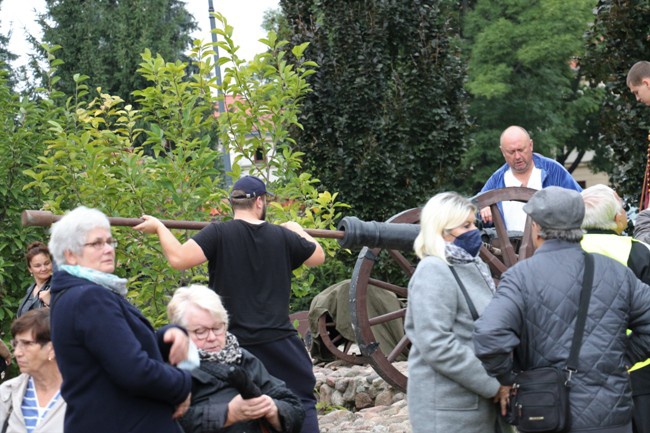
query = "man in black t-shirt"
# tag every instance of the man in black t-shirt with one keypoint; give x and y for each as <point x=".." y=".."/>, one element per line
<point x="250" y="264"/>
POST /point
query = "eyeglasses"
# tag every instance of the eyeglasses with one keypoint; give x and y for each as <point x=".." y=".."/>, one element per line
<point x="202" y="333"/>
<point x="26" y="344"/>
<point x="99" y="243"/>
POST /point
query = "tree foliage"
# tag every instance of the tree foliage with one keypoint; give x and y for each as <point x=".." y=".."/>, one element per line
<point x="23" y="133"/>
<point x="385" y="124"/>
<point x="523" y="70"/>
<point x="95" y="157"/>
<point x="6" y="57"/>
<point x="619" y="38"/>
<point x="104" y="39"/>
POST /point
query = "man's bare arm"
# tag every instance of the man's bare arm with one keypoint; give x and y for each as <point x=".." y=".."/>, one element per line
<point x="180" y="256"/>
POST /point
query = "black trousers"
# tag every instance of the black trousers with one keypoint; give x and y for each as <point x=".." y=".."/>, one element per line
<point x="641" y="414"/>
<point x="287" y="359"/>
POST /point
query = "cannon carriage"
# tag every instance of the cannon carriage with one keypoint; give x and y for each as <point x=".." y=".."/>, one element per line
<point x="392" y="242"/>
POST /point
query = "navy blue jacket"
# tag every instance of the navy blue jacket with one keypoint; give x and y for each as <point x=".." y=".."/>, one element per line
<point x="553" y="174"/>
<point x="114" y="376"/>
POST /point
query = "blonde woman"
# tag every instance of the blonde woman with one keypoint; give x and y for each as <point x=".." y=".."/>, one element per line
<point x="448" y="389"/>
<point x="217" y="405"/>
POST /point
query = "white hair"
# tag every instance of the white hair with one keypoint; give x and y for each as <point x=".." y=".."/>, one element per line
<point x="69" y="233"/>
<point x="442" y="213"/>
<point x="199" y="296"/>
<point x="602" y="204"/>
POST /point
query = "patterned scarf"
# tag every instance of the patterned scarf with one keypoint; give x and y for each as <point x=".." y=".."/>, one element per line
<point x="111" y="282"/>
<point x="230" y="354"/>
<point x="457" y="256"/>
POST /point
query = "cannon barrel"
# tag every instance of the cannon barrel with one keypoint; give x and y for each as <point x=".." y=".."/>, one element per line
<point x="373" y="234"/>
<point x="351" y="233"/>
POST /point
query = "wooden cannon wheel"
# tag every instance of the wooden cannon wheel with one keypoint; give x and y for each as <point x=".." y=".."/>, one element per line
<point x="502" y="256"/>
<point x="362" y="323"/>
<point x="335" y="343"/>
<point x="504" y="244"/>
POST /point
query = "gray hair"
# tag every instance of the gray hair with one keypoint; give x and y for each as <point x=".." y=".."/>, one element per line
<point x="69" y="233"/>
<point x="570" y="235"/>
<point x="199" y="296"/>
<point x="602" y="204"/>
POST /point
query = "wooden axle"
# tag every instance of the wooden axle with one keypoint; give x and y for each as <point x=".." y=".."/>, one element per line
<point x="43" y="218"/>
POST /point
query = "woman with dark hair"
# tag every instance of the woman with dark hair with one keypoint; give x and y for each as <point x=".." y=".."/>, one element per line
<point x="39" y="264"/>
<point x="32" y="402"/>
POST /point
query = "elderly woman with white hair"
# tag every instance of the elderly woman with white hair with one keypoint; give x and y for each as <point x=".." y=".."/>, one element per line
<point x="448" y="388"/>
<point x="228" y="371"/>
<point x="113" y="363"/>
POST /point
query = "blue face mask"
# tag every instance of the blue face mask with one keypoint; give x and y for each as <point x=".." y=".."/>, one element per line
<point x="470" y="241"/>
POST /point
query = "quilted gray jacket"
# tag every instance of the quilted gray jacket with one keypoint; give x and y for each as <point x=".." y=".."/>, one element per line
<point x="533" y="315"/>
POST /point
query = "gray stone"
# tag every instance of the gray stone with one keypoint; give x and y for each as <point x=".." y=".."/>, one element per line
<point x="384" y="398"/>
<point x="362" y="400"/>
<point x="376" y="406"/>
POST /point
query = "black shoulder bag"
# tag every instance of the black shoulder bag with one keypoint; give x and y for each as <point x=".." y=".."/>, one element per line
<point x="539" y="399"/>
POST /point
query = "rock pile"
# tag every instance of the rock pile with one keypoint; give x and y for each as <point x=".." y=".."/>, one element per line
<point x="353" y="398"/>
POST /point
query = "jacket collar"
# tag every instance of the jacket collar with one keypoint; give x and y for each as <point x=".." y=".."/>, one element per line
<point x="553" y="245"/>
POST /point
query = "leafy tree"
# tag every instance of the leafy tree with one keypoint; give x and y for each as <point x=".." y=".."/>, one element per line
<point x="274" y="20"/>
<point x="98" y="161"/>
<point x="23" y="133"/>
<point x="104" y="39"/>
<point x="523" y="70"/>
<point x="6" y="56"/>
<point x="385" y="124"/>
<point x="618" y="39"/>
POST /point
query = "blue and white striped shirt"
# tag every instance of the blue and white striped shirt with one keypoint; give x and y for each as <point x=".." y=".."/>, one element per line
<point x="32" y="412"/>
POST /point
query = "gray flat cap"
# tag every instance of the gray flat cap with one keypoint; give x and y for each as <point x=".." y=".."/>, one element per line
<point x="556" y="208"/>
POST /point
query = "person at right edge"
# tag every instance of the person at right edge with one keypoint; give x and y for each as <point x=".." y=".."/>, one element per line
<point x="638" y="81"/>
<point x="530" y="321"/>
<point x="250" y="265"/>
<point x="605" y="220"/>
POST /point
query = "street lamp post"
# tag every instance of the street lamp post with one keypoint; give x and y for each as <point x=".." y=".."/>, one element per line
<point x="225" y="157"/>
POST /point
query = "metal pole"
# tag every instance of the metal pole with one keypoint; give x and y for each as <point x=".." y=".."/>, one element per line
<point x="225" y="157"/>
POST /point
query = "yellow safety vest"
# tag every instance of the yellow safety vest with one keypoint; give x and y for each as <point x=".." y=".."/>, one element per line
<point x="616" y="247"/>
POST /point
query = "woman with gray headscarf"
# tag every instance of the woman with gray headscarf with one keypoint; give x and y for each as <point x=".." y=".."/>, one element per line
<point x="115" y="374"/>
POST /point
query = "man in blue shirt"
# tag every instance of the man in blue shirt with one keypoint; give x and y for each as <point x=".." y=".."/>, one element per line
<point x="523" y="168"/>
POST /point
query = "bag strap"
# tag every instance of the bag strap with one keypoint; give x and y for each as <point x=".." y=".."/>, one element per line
<point x="5" y="424"/>
<point x="470" y="304"/>
<point x="585" y="296"/>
